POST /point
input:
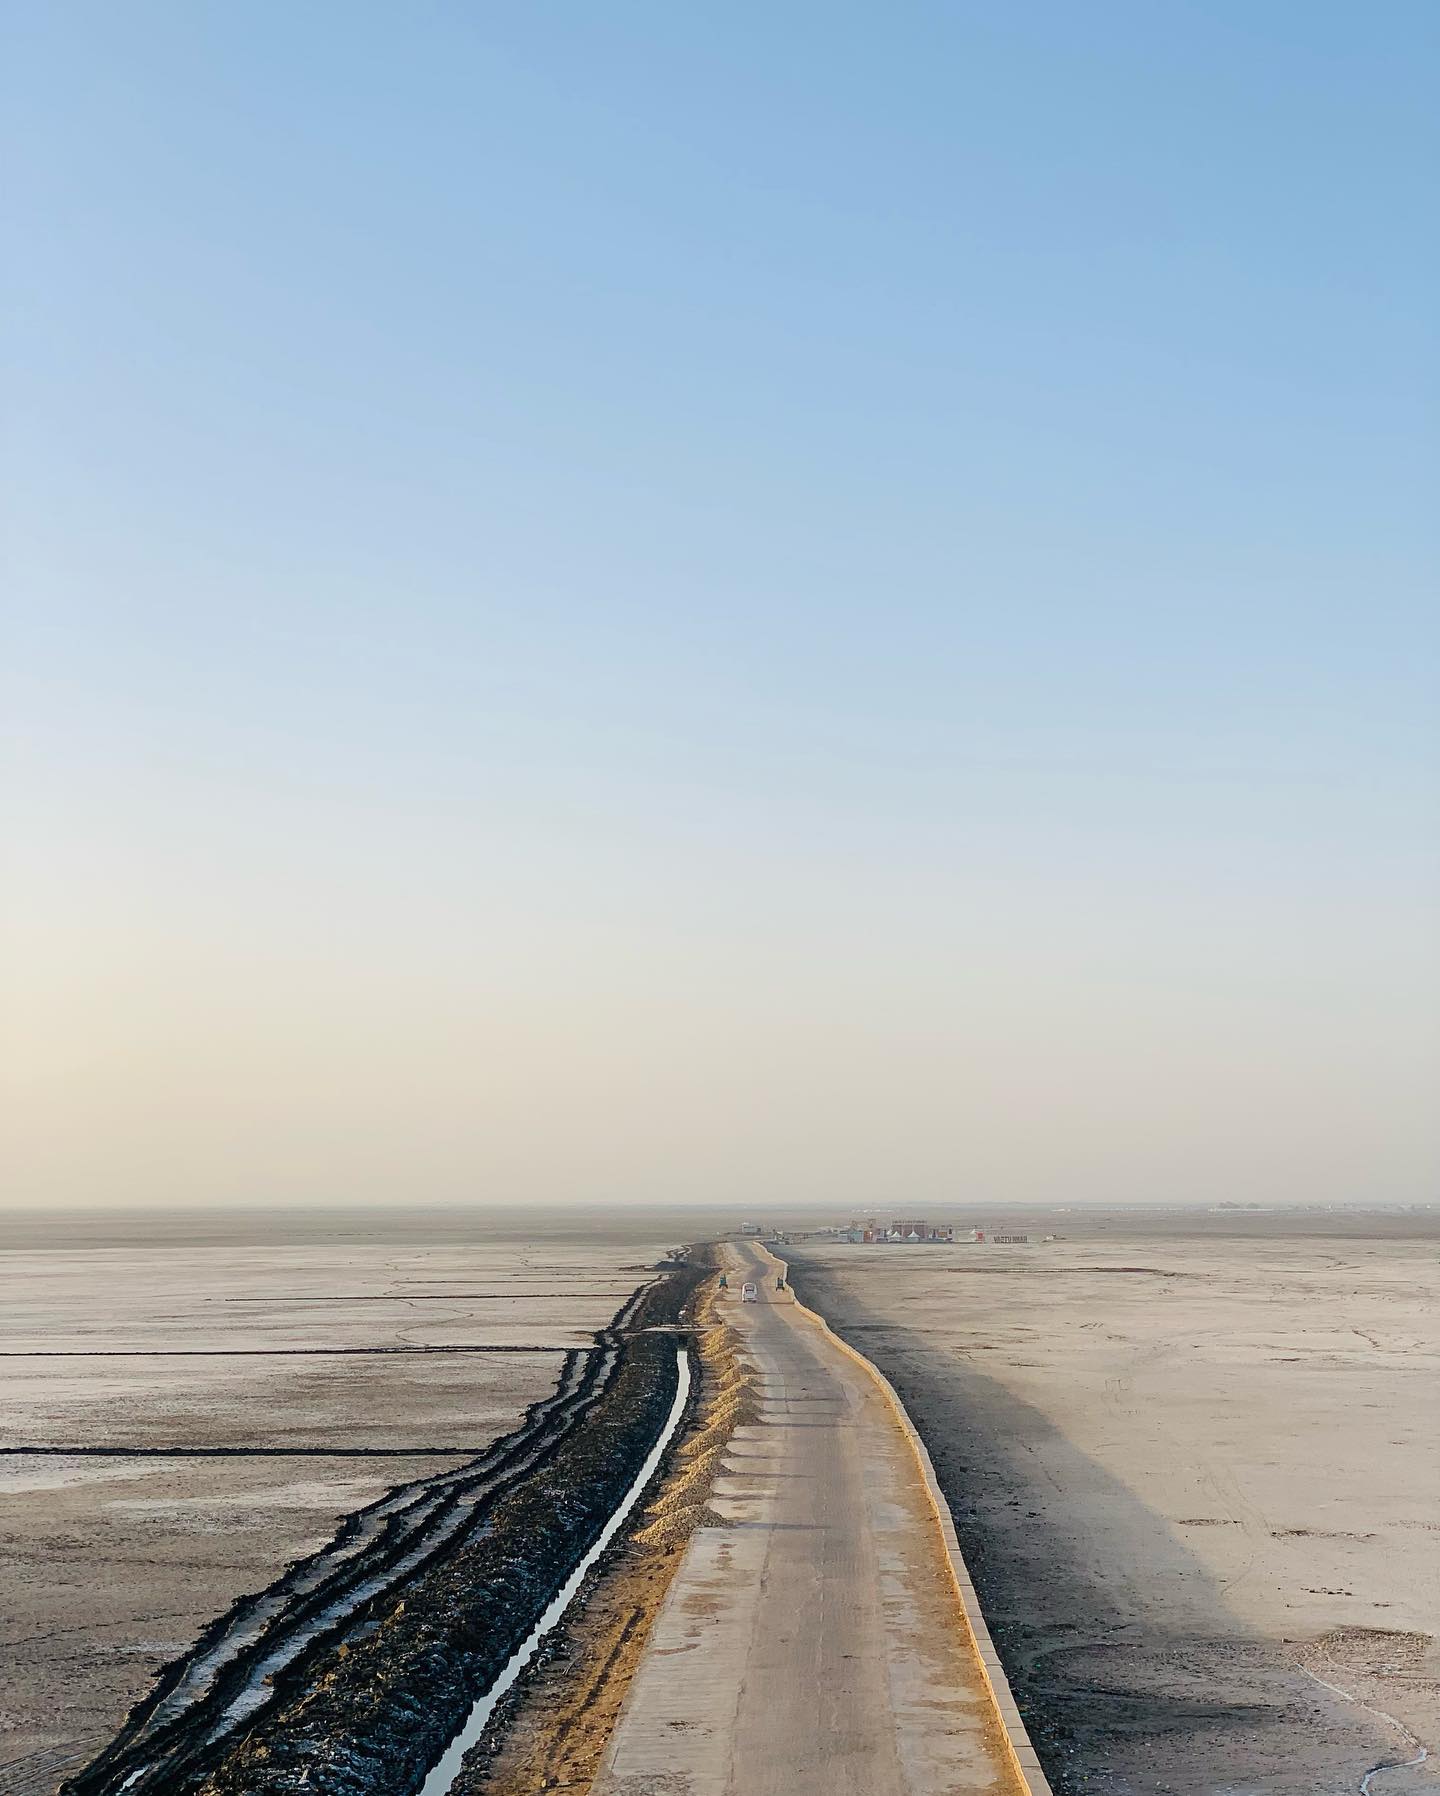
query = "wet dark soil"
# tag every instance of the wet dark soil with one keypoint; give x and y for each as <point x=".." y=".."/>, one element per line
<point x="368" y="1705"/>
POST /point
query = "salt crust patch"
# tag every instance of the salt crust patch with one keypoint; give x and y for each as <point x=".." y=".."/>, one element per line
<point x="21" y="1477"/>
<point x="313" y="1493"/>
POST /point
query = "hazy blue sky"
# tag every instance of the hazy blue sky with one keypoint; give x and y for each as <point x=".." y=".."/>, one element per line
<point x="653" y="601"/>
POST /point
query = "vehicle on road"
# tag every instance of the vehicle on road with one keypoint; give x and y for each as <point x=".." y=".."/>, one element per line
<point x="749" y="1293"/>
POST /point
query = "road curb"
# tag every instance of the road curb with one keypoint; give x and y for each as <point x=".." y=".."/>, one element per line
<point x="1022" y="1750"/>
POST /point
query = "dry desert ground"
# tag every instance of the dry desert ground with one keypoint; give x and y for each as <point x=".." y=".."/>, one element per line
<point x="1197" y="1482"/>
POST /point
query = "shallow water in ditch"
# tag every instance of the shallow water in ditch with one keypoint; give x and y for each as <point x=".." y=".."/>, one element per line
<point x="443" y="1775"/>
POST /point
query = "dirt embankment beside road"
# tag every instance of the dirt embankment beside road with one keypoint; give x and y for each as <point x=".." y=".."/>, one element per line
<point x="552" y="1731"/>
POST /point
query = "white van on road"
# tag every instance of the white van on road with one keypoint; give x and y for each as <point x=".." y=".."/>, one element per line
<point x="749" y="1294"/>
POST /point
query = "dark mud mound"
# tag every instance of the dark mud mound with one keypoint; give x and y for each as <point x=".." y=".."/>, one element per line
<point x="353" y="1671"/>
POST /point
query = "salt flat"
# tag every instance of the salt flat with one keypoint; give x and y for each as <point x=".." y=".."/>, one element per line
<point x="252" y="1337"/>
<point x="1196" y="1482"/>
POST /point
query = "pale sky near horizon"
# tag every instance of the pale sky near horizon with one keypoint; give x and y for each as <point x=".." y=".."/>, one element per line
<point x="787" y="602"/>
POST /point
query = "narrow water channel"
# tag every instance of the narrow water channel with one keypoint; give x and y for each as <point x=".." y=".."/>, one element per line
<point x="444" y="1772"/>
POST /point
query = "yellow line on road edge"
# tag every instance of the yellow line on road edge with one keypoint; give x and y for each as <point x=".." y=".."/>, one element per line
<point x="1012" y="1723"/>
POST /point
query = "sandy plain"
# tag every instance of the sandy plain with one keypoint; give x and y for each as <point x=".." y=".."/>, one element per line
<point x="301" y="1348"/>
<point x="1197" y="1483"/>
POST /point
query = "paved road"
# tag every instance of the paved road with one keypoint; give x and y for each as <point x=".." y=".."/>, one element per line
<point x="814" y="1643"/>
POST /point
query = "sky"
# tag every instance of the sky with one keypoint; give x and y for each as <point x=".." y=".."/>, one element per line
<point x="790" y="603"/>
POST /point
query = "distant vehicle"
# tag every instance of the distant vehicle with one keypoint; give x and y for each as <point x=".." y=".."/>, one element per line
<point x="749" y="1294"/>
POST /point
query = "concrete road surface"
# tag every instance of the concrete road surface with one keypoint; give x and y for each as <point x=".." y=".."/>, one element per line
<point x="815" y="1642"/>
